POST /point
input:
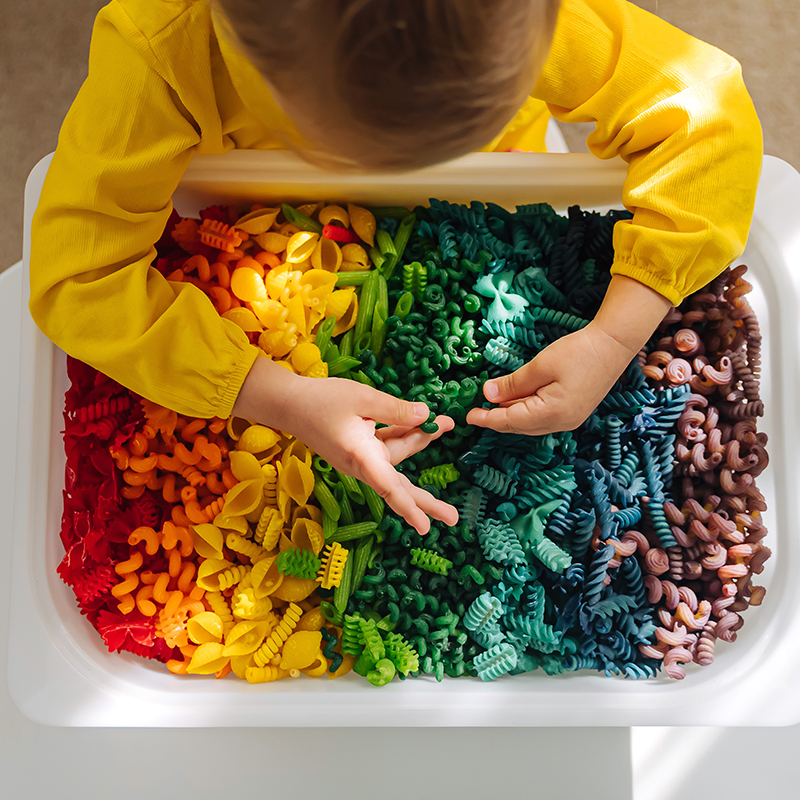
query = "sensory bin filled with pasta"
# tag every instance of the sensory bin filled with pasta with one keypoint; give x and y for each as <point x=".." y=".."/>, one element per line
<point x="628" y="546"/>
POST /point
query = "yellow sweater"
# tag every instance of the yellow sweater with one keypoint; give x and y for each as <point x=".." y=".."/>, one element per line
<point x="163" y="85"/>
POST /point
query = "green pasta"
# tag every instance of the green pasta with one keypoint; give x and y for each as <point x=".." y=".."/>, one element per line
<point x="355" y="531"/>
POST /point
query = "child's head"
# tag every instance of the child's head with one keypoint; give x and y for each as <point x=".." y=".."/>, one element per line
<point x="395" y="84"/>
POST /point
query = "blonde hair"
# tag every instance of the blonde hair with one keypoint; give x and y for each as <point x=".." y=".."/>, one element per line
<point x="395" y="84"/>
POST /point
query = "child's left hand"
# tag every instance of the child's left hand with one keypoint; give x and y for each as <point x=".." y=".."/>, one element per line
<point x="557" y="390"/>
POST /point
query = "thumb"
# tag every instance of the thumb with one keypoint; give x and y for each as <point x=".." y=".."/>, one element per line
<point x="524" y="382"/>
<point x="383" y="407"/>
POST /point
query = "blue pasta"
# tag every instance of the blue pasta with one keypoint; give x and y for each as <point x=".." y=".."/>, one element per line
<point x="632" y="573"/>
<point x="613" y="442"/>
<point x="598" y="571"/>
<point x="626" y="470"/>
<point x="582" y="533"/>
<point x="626" y="518"/>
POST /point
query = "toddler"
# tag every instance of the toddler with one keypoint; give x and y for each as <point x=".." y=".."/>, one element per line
<point x="379" y="85"/>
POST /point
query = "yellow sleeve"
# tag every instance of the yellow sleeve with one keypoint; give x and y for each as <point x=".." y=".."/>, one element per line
<point x="677" y="111"/>
<point x="123" y="148"/>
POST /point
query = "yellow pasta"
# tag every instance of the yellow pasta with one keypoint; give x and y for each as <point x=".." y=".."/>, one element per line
<point x="355" y="255"/>
<point x="334" y="213"/>
<point x="219" y="605"/>
<point x="300" y="246"/>
<point x="244" y="318"/>
<point x="348" y="319"/>
<point x="307" y="535"/>
<point x="258" y="439"/>
<point x="327" y="255"/>
<point x="339" y="302"/>
<point x="205" y="627"/>
<point x="334" y="558"/>
<point x="300" y="650"/>
<point x="362" y="222"/>
<point x="251" y="550"/>
<point x="207" y="659"/>
<point x="259" y="221"/>
<point x="244" y="465"/>
<point x="265" y="674"/>
<point x="295" y="482"/>
<point x="269" y="528"/>
<point x="272" y="646"/>
<point x="208" y="540"/>
<point x="248" y="285"/>
<point x="273" y="242"/>
<point x="246" y="605"/>
<point x="270" y="472"/>
<point x="266" y="577"/>
<point x="293" y="590"/>
<point x="246" y="637"/>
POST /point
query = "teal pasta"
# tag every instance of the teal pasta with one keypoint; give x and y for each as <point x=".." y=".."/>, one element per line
<point x="494" y="662"/>
<point x="550" y="553"/>
<point x="496" y="481"/>
<point x="500" y="543"/>
<point x="485" y="610"/>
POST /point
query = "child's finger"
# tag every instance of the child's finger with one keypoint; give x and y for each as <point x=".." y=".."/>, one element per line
<point x="524" y="382"/>
<point x="383" y="407"/>
<point x="437" y="509"/>
<point x="532" y="416"/>
<point x="389" y="484"/>
<point x="402" y="443"/>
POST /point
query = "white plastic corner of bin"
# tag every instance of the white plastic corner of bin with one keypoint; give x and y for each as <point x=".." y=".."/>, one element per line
<point x="59" y="672"/>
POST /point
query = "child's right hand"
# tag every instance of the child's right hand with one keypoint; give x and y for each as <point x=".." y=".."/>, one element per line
<point x="336" y="419"/>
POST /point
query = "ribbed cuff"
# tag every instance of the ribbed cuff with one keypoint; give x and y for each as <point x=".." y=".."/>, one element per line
<point x="237" y="378"/>
<point x="648" y="278"/>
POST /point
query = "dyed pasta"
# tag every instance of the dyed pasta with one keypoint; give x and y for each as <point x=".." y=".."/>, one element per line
<point x="628" y="546"/>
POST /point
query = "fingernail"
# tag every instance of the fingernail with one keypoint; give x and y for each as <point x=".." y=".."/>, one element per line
<point x="420" y="410"/>
<point x="491" y="390"/>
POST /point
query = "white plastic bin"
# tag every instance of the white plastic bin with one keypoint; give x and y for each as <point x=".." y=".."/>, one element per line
<point x="60" y="672"/>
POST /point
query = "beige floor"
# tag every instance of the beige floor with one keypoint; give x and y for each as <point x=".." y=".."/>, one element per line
<point x="44" y="45"/>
